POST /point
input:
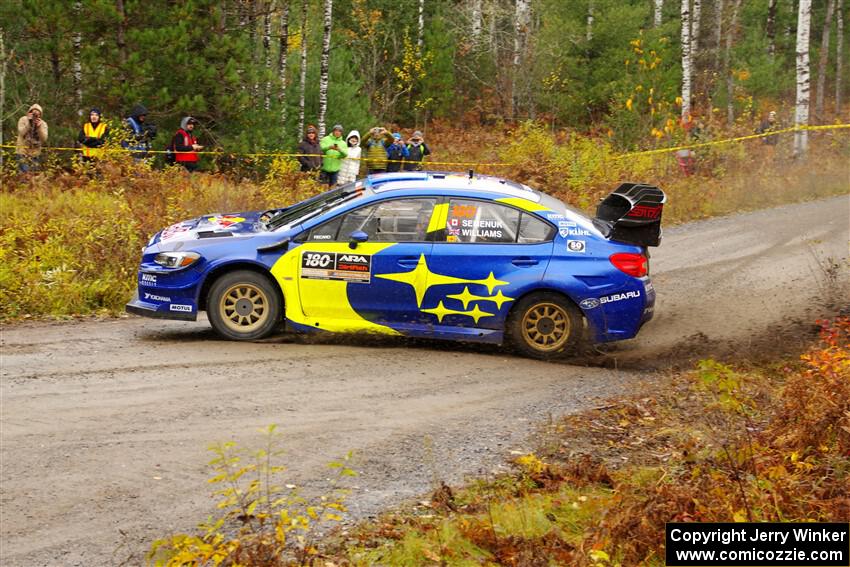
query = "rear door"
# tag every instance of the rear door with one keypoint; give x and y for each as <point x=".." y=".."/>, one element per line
<point x="488" y="255"/>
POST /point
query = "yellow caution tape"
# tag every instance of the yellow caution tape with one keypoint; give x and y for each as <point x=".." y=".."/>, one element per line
<point x="469" y="163"/>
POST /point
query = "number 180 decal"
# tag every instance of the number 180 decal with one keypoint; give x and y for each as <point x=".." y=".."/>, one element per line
<point x="350" y="267"/>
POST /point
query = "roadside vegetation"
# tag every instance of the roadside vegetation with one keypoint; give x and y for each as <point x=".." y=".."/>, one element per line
<point x="718" y="443"/>
<point x="71" y="242"/>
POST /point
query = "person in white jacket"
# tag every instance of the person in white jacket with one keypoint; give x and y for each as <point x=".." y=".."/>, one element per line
<point x="350" y="167"/>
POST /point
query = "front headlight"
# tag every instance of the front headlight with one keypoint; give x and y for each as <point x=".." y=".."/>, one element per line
<point x="176" y="260"/>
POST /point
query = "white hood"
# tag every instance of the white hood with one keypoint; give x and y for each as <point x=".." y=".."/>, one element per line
<point x="353" y="133"/>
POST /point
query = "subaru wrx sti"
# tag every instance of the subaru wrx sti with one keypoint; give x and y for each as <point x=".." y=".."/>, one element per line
<point x="421" y="254"/>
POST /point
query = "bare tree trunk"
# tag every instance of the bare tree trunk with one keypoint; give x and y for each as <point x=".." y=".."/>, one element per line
<point x="2" y="92"/>
<point x="823" y="59"/>
<point x="76" y="66"/>
<point x="522" y="17"/>
<point x="771" y="28"/>
<point x="252" y="39"/>
<point x="267" y="52"/>
<point x="730" y="80"/>
<point x="325" y="66"/>
<point x="718" y="33"/>
<point x="801" y="116"/>
<point x="687" y="71"/>
<point x="121" y="32"/>
<point x="420" y="36"/>
<point x="303" y="67"/>
<point x="476" y="22"/>
<point x="659" y="8"/>
<point x="282" y="61"/>
<point x="589" y="35"/>
<point x="839" y="46"/>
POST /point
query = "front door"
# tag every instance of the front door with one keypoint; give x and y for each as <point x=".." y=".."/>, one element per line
<point x="341" y="288"/>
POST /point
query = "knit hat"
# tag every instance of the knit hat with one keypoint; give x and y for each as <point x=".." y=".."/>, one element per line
<point x="312" y="129"/>
<point x="36" y="107"/>
<point x="337" y="127"/>
<point x="96" y="110"/>
<point x="396" y="135"/>
<point x="417" y="134"/>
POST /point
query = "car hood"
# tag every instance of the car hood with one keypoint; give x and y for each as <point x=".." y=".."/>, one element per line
<point x="214" y="225"/>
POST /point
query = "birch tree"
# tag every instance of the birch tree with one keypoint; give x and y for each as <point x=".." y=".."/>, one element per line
<point x="420" y="35"/>
<point x="695" y="28"/>
<point x="325" y="65"/>
<point x="476" y="22"/>
<point x="522" y="20"/>
<point x="823" y="59"/>
<point x="267" y="54"/>
<point x="303" y="68"/>
<point x="801" y="115"/>
<point x="659" y="8"/>
<point x="76" y="66"/>
<point x="839" y="46"/>
<point x="282" y="62"/>
<point x="727" y="62"/>
<point x="589" y="34"/>
<point x="771" y="28"/>
<point x="687" y="71"/>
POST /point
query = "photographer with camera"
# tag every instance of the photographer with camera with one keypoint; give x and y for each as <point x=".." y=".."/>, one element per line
<point x="32" y="135"/>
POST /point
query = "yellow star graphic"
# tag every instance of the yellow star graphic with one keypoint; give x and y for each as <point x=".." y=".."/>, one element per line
<point x="441" y="311"/>
<point x="421" y="278"/>
<point x="467" y="297"/>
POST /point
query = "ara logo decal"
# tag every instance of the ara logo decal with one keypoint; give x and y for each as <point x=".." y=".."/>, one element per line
<point x="589" y="303"/>
<point x="355" y="268"/>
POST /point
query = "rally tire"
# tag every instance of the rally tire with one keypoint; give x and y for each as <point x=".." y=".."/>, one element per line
<point x="243" y="306"/>
<point x="545" y="326"/>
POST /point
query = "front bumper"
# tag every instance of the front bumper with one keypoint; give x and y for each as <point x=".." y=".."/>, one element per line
<point x="177" y="311"/>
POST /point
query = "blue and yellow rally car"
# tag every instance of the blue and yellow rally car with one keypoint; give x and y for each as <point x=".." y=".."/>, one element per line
<point x="421" y="254"/>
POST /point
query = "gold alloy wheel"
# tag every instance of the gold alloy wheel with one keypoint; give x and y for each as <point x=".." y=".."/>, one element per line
<point x="546" y="327"/>
<point x="244" y="308"/>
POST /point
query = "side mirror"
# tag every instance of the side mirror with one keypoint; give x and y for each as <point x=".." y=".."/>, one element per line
<point x="357" y="237"/>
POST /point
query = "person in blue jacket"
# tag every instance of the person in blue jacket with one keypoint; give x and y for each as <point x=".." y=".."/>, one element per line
<point x="140" y="133"/>
<point x="396" y="153"/>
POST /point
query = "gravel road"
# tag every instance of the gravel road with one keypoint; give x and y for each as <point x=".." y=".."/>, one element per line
<point x="105" y="424"/>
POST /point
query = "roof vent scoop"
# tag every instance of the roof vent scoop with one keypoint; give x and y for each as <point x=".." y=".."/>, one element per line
<point x="632" y="214"/>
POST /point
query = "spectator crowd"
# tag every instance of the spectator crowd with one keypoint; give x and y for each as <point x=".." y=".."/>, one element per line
<point x="334" y="159"/>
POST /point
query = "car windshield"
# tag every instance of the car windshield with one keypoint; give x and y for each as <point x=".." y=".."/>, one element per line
<point x="314" y="206"/>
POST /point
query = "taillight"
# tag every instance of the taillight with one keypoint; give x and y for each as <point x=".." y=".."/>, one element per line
<point x="633" y="264"/>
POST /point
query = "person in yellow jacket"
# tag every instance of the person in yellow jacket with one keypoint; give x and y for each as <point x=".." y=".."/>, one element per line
<point x="32" y="135"/>
<point x="93" y="136"/>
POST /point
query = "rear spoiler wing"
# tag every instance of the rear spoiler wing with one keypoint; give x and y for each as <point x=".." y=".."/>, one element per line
<point x="632" y="214"/>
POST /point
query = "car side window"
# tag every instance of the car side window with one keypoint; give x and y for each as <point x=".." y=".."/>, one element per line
<point x="532" y="230"/>
<point x="399" y="220"/>
<point x="480" y="222"/>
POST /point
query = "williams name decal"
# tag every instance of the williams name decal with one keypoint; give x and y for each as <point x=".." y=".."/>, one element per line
<point x="339" y="266"/>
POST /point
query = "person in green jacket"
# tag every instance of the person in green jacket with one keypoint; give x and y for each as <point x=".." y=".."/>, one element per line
<point x="334" y="148"/>
<point x="376" y="142"/>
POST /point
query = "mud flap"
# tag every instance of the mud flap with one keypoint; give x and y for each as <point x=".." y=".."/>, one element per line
<point x="632" y="214"/>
